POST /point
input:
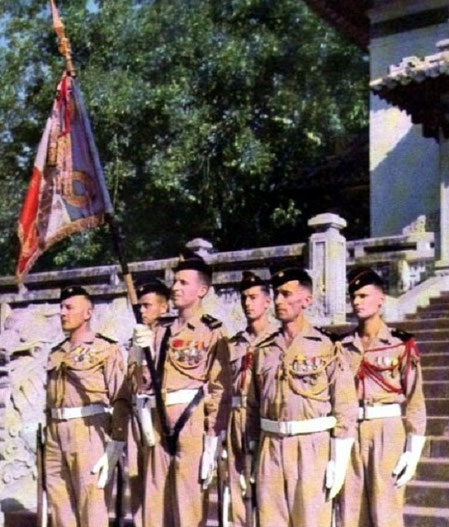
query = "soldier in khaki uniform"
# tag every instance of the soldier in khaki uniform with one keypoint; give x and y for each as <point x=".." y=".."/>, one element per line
<point x="302" y="400"/>
<point x="153" y="299"/>
<point x="385" y="363"/>
<point x="255" y="300"/>
<point x="192" y="359"/>
<point x="85" y="381"/>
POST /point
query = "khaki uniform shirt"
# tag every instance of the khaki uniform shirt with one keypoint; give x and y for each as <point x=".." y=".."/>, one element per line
<point x="389" y="372"/>
<point x="243" y="346"/>
<point x="306" y="379"/>
<point x="197" y="356"/>
<point x="90" y="373"/>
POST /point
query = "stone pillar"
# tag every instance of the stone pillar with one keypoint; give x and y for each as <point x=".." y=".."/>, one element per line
<point x="442" y="264"/>
<point x="327" y="261"/>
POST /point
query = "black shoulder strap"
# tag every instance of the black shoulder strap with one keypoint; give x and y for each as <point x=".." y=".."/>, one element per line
<point x="163" y="353"/>
<point x="57" y="346"/>
<point x="211" y="321"/>
<point x="329" y="334"/>
<point x="107" y="339"/>
<point x="401" y="334"/>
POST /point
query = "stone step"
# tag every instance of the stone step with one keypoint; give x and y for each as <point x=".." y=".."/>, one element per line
<point x="437" y="305"/>
<point x="429" y="346"/>
<point x="437" y="406"/>
<point x="435" y="359"/>
<point x="433" y="469"/>
<point x="425" y="516"/>
<point x="428" y="323"/>
<point x="435" y="373"/>
<point x="437" y="389"/>
<point x="429" y="313"/>
<point x="431" y="334"/>
<point x="438" y="426"/>
<point x="436" y="447"/>
<point x="439" y="301"/>
<point x="427" y="493"/>
<point x="26" y="518"/>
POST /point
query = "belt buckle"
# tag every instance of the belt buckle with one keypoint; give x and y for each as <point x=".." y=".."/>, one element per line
<point x="289" y="428"/>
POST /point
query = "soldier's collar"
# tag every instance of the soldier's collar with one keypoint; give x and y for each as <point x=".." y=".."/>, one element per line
<point x="383" y="337"/>
<point x="88" y="340"/>
<point x="195" y="319"/>
<point x="384" y="334"/>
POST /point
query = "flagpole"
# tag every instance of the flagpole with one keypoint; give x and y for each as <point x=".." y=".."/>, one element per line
<point x="63" y="42"/>
<point x="65" y="50"/>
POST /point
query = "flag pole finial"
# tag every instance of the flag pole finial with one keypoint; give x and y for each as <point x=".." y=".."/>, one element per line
<point x="63" y="41"/>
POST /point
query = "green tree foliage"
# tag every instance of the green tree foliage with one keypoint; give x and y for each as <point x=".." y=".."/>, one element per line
<point x="207" y="114"/>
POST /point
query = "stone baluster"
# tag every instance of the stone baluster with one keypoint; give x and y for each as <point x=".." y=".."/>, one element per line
<point x="327" y="262"/>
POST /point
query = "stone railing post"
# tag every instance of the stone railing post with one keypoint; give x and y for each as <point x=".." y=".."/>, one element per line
<point x="327" y="261"/>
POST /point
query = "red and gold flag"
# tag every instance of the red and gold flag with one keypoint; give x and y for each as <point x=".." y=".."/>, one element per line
<point x="67" y="193"/>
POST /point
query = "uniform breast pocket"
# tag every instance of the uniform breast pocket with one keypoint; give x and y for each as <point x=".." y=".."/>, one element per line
<point x="387" y="366"/>
<point x="189" y="357"/>
<point x="309" y="373"/>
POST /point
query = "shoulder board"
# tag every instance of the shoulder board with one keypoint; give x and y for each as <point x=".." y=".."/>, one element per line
<point x="267" y="340"/>
<point x="329" y="334"/>
<point x="54" y="348"/>
<point x="211" y="321"/>
<point x="400" y="334"/>
<point x="166" y="320"/>
<point x="236" y="336"/>
<point x="107" y="339"/>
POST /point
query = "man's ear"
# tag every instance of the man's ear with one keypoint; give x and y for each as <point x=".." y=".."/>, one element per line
<point x="307" y="301"/>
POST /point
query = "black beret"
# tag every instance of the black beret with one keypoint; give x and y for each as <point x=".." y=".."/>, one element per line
<point x="250" y="279"/>
<point x="188" y="260"/>
<point x="73" y="290"/>
<point x="291" y="273"/>
<point x="154" y="286"/>
<point x="362" y="276"/>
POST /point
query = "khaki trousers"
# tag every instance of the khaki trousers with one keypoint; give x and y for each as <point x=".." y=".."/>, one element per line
<point x="369" y="497"/>
<point x="173" y="496"/>
<point x="291" y="481"/>
<point x="71" y="450"/>
<point x="236" y="466"/>
<point x="135" y="471"/>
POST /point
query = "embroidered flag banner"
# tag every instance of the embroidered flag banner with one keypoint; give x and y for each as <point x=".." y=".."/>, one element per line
<point x="67" y="192"/>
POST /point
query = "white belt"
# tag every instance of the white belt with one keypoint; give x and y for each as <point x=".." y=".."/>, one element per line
<point x="78" y="411"/>
<point x="171" y="398"/>
<point x="291" y="428"/>
<point x="377" y="412"/>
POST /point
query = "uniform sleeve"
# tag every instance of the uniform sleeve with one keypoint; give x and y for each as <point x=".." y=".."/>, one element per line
<point x="411" y="378"/>
<point x="253" y="405"/>
<point x="119" y="393"/>
<point x="343" y="396"/>
<point x="219" y="386"/>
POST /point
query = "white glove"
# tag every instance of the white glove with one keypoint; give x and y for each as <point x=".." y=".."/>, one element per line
<point x="143" y="336"/>
<point x="337" y="465"/>
<point x="146" y="422"/>
<point x="105" y="466"/>
<point x="406" y="466"/>
<point x="208" y="460"/>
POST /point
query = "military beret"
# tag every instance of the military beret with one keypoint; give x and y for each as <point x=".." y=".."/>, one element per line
<point x="154" y="286"/>
<point x="250" y="279"/>
<point x="73" y="290"/>
<point x="188" y="260"/>
<point x="362" y="276"/>
<point x="291" y="273"/>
